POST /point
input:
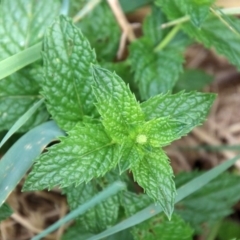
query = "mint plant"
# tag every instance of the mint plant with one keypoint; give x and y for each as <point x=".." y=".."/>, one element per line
<point x="116" y="123"/>
<point x="123" y="137"/>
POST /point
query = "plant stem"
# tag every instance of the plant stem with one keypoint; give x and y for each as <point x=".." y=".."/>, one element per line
<point x="86" y="9"/>
<point x="106" y="193"/>
<point x="227" y="11"/>
<point x="168" y="38"/>
<point x="175" y="22"/>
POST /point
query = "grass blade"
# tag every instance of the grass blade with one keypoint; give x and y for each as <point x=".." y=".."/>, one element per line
<point x="20" y="157"/>
<point x="20" y="60"/>
<point x="109" y="191"/>
<point x="184" y="191"/>
<point x="21" y="121"/>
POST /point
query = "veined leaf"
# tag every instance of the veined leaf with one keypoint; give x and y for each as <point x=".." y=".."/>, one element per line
<point x="162" y="131"/>
<point x="156" y="226"/>
<point x="67" y="86"/>
<point x="190" y="108"/>
<point x="160" y="226"/>
<point x="198" y="10"/>
<point x="129" y="155"/>
<point x="210" y="204"/>
<point x="86" y="153"/>
<point x="101" y="216"/>
<point x="22" y="24"/>
<point x="151" y="26"/>
<point x="154" y="174"/>
<point x="133" y="202"/>
<point x="102" y="30"/>
<point x="193" y="80"/>
<point x="213" y="33"/>
<point x="156" y="71"/>
<point x="116" y="104"/>
<point x="5" y="212"/>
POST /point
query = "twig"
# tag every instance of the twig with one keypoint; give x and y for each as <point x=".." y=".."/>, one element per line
<point x="122" y="20"/>
<point x="86" y="9"/>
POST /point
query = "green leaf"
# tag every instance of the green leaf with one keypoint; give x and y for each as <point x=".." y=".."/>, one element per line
<point x="76" y="232"/>
<point x="22" y="24"/>
<point x="67" y="86"/>
<point x="213" y="33"/>
<point x="190" y="108"/>
<point x="154" y="174"/>
<point x="86" y="153"/>
<point x="155" y="72"/>
<point x="133" y="202"/>
<point x="156" y="226"/>
<point x="101" y="216"/>
<point x="28" y="147"/>
<point x="182" y="192"/>
<point x="198" y="10"/>
<point x="210" y="204"/>
<point x="229" y="230"/>
<point x="120" y="111"/>
<point x="5" y="212"/>
<point x="162" y="131"/>
<point x="129" y="154"/>
<point x="18" y="93"/>
<point x="102" y="30"/>
<point x="151" y="26"/>
<point x="193" y="79"/>
<point x="162" y="228"/>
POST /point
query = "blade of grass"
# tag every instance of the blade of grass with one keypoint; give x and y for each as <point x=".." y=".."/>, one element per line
<point x="182" y="192"/>
<point x="23" y="119"/>
<point x="12" y="64"/>
<point x="106" y="193"/>
<point x="20" y="157"/>
<point x="65" y="7"/>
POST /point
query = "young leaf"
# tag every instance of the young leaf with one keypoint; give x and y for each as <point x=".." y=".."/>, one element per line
<point x="86" y="153"/>
<point x="67" y="86"/>
<point x="162" y="131"/>
<point x="5" y="212"/>
<point x="102" y="30"/>
<point x="116" y="104"/>
<point x="129" y="154"/>
<point x="22" y="24"/>
<point x="155" y="175"/>
<point x="101" y="216"/>
<point x="190" y="108"/>
<point x="210" y="204"/>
